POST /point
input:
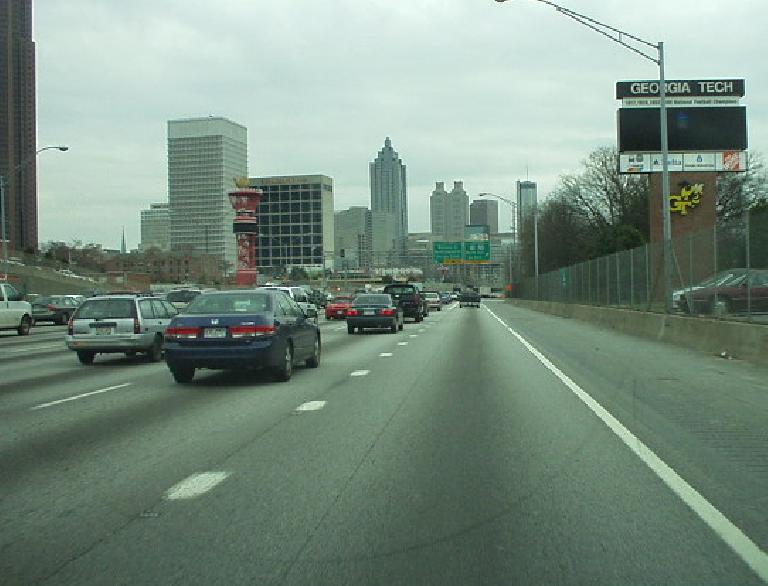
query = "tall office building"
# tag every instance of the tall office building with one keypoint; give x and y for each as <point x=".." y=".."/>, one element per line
<point x="527" y="202"/>
<point x="457" y="212"/>
<point x="485" y="212"/>
<point x="295" y="221"/>
<point x="389" y="191"/>
<point x="384" y="238"/>
<point x="155" y="227"/>
<point x="18" y="122"/>
<point x="352" y="230"/>
<point x="205" y="155"/>
<point x="438" y="205"/>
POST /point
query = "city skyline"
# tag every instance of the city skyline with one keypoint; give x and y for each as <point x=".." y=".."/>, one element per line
<point x="518" y="106"/>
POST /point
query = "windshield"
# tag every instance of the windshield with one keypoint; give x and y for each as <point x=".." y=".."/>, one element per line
<point x="229" y="303"/>
<point x="106" y="308"/>
<point x="400" y="290"/>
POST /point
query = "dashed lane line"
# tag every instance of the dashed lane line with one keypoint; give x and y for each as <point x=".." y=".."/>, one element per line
<point x="359" y="372"/>
<point x="195" y="485"/>
<point x="80" y="396"/>
<point x="311" y="406"/>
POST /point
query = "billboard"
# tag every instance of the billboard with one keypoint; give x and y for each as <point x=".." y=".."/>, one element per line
<point x="693" y="129"/>
<point x="719" y="162"/>
<point x="477" y="232"/>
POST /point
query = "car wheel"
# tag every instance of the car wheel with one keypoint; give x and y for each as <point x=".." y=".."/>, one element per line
<point x="314" y="360"/>
<point x="419" y="317"/>
<point x="155" y="353"/>
<point x="285" y="370"/>
<point x="400" y="327"/>
<point x="86" y="357"/>
<point x="350" y="329"/>
<point x="24" y="325"/>
<point x="183" y="374"/>
<point x="62" y="319"/>
<point x="131" y="353"/>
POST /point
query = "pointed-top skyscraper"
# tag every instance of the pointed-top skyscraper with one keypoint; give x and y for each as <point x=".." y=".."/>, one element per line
<point x="388" y="190"/>
<point x="123" y="247"/>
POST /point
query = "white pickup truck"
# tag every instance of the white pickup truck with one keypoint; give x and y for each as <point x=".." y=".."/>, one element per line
<point x="15" y="314"/>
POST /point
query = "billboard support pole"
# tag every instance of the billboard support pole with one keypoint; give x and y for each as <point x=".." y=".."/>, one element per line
<point x="665" y="190"/>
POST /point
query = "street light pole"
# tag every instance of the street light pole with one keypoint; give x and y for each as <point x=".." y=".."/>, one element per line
<point x="623" y="38"/>
<point x="3" y="181"/>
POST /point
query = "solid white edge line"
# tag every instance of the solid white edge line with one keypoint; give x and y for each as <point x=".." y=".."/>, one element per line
<point x="81" y="396"/>
<point x="195" y="485"/>
<point x="723" y="527"/>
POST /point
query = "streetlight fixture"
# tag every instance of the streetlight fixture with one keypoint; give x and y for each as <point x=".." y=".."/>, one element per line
<point x="3" y="180"/>
<point x="619" y="36"/>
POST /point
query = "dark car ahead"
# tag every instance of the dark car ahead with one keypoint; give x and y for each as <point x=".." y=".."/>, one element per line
<point x="239" y="330"/>
<point x="408" y="297"/>
<point x="55" y="308"/>
<point x="745" y="290"/>
<point x="374" y="310"/>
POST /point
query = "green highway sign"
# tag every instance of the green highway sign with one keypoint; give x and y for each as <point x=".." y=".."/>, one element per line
<point x="467" y="252"/>
<point x="476" y="251"/>
<point x="446" y="252"/>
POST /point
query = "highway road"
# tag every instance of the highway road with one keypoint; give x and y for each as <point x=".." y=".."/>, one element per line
<point x="482" y="446"/>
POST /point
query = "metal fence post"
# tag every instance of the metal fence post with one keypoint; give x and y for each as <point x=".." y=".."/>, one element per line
<point x="647" y="277"/>
<point x="632" y="278"/>
<point x="749" y="266"/>
<point x="618" y="280"/>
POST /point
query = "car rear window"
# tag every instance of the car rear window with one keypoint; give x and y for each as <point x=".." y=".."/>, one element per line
<point x="400" y="290"/>
<point x="182" y="296"/>
<point x="106" y="308"/>
<point x="227" y="303"/>
<point x="373" y="300"/>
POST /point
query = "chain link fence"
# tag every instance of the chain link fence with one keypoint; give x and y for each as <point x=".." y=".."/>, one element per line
<point x="721" y="272"/>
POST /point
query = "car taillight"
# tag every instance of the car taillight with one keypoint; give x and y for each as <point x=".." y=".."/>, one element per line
<point x="71" y="326"/>
<point x="181" y="333"/>
<point x="250" y="331"/>
<point x="387" y="311"/>
<point x="352" y="312"/>
<point x="136" y="325"/>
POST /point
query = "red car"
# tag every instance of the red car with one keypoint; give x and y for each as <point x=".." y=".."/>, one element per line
<point x="337" y="307"/>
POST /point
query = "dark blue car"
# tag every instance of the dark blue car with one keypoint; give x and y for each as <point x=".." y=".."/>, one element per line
<point x="241" y="329"/>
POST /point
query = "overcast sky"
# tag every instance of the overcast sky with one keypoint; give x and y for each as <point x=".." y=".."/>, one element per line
<point x="467" y="89"/>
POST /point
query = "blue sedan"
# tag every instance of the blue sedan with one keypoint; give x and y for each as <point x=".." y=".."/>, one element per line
<point x="241" y="329"/>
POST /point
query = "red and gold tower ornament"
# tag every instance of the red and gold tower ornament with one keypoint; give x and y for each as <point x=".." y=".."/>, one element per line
<point x="245" y="201"/>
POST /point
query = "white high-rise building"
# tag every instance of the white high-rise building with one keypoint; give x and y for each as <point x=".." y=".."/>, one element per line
<point x="457" y="212"/>
<point x="438" y="205"/>
<point x="155" y="226"/>
<point x="388" y="190"/>
<point x="205" y="155"/>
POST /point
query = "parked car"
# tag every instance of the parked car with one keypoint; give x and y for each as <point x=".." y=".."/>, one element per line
<point x="374" y="310"/>
<point x="445" y="298"/>
<point x="409" y="298"/>
<point x="679" y="304"/>
<point x="55" y="308"/>
<point x="15" y="313"/>
<point x="735" y="295"/>
<point x="433" y="300"/>
<point x="242" y="329"/>
<point x="337" y="307"/>
<point x="182" y="297"/>
<point x="129" y="324"/>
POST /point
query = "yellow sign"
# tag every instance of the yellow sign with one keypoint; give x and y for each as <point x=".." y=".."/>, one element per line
<point x="689" y="197"/>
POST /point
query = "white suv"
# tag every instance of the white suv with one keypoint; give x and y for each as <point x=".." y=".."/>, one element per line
<point x="15" y="314"/>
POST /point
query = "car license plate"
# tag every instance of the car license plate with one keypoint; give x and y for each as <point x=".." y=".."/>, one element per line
<point x="104" y="331"/>
<point x="339" y="313"/>
<point x="215" y="332"/>
<point x="369" y="312"/>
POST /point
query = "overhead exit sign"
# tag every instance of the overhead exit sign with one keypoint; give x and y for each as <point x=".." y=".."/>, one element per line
<point x="466" y="252"/>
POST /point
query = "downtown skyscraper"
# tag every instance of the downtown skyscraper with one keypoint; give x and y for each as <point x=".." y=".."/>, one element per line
<point x="18" y="123"/>
<point x="205" y="155"/>
<point x="389" y="193"/>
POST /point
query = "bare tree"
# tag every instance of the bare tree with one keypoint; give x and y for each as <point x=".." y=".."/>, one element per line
<point x="738" y="192"/>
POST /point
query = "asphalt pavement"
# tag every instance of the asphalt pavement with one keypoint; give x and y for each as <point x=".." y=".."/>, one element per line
<point x="481" y="446"/>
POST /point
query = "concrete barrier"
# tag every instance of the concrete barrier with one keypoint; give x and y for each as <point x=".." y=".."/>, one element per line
<point x="740" y="340"/>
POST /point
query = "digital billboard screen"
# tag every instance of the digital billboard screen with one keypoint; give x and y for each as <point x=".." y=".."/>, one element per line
<point x="690" y="129"/>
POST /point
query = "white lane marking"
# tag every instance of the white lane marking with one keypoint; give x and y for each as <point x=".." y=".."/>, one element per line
<point x="413" y="335"/>
<point x="402" y="343"/>
<point x="33" y="348"/>
<point x="723" y="527"/>
<point x="195" y="485"/>
<point x="311" y="406"/>
<point x="385" y="354"/>
<point x="81" y="396"/>
<point x="359" y="372"/>
<point x="341" y="329"/>
<point x="422" y="330"/>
